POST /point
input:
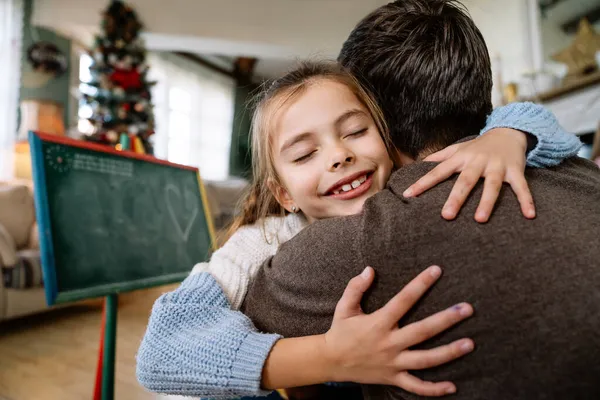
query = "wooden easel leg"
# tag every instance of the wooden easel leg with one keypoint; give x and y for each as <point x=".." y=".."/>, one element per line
<point x="98" y="384"/>
<point x="110" y="345"/>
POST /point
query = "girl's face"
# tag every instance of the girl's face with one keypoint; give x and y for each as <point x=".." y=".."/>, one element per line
<point x="328" y="152"/>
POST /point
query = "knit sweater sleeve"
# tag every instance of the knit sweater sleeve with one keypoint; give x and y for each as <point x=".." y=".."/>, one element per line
<point x="195" y="345"/>
<point x="554" y="144"/>
<point x="236" y="263"/>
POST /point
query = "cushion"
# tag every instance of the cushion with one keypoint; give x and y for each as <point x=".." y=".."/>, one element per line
<point x="17" y="213"/>
<point x="8" y="249"/>
<point x="26" y="273"/>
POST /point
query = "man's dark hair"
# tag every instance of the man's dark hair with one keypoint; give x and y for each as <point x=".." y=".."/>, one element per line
<point x="428" y="66"/>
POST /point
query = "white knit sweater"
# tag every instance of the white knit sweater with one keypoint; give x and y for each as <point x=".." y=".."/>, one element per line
<point x="236" y="263"/>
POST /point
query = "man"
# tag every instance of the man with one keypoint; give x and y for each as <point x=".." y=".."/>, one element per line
<point x="534" y="284"/>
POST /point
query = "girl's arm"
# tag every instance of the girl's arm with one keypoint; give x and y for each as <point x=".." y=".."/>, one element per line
<point x="196" y="346"/>
<point x="554" y="144"/>
<point x="499" y="155"/>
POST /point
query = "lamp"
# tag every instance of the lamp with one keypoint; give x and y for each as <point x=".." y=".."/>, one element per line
<point x="22" y="166"/>
<point x="36" y="115"/>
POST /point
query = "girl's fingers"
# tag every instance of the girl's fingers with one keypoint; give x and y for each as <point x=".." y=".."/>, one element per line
<point x="420" y="387"/>
<point x="349" y="304"/>
<point x="431" y="326"/>
<point x="463" y="186"/>
<point x="491" y="190"/>
<point x="423" y="359"/>
<point x="444" y="154"/>
<point x="439" y="174"/>
<point x="521" y="189"/>
<point x="408" y="296"/>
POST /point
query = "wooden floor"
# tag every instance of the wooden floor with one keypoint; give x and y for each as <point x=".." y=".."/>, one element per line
<point x="52" y="356"/>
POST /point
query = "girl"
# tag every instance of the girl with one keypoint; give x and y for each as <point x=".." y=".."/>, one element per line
<point x="197" y="345"/>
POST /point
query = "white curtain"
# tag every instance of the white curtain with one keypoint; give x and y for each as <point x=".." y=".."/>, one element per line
<point x="11" y="27"/>
<point x="193" y="108"/>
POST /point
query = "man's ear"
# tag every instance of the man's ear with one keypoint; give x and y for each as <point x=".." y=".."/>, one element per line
<point x="281" y="195"/>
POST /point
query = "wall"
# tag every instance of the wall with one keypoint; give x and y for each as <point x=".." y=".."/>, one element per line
<point x="56" y="89"/>
<point x="505" y="27"/>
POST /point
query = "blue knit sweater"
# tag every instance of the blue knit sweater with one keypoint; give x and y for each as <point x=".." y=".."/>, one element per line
<point x="195" y="345"/>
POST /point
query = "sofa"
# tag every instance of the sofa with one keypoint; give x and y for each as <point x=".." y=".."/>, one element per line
<point x="21" y="286"/>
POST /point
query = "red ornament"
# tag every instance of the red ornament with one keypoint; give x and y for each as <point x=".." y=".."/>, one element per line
<point x="126" y="79"/>
<point x="127" y="106"/>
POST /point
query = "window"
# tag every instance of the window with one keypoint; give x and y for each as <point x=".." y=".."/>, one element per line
<point x="11" y="20"/>
<point x="193" y="109"/>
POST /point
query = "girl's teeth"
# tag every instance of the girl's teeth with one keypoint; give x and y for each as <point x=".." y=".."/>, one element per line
<point x="336" y="192"/>
<point x="346" y="188"/>
<point x="362" y="179"/>
<point x="355" y="184"/>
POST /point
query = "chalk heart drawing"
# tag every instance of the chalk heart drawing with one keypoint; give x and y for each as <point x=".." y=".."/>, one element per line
<point x="174" y="199"/>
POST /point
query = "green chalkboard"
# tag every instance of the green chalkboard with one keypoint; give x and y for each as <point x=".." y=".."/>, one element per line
<point x="113" y="222"/>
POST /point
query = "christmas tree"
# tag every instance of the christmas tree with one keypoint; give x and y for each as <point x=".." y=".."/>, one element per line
<point x="119" y="93"/>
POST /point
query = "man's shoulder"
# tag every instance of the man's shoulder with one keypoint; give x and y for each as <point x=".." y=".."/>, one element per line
<point x="325" y="228"/>
<point x="321" y="236"/>
<point x="576" y="166"/>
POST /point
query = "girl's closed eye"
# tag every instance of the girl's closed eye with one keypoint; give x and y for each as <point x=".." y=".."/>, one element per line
<point x="304" y="157"/>
<point x="357" y="132"/>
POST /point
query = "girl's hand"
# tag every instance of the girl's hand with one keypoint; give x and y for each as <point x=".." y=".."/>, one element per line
<point x="498" y="156"/>
<point x="372" y="349"/>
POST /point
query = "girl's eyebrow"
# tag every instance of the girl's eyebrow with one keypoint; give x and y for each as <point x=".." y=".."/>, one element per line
<point x="347" y="115"/>
<point x="294" y="140"/>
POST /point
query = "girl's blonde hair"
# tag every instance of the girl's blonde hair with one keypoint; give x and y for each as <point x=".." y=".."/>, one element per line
<point x="260" y="202"/>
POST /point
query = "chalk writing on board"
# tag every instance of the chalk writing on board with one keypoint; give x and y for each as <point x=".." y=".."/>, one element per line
<point x="103" y="165"/>
<point x="58" y="158"/>
<point x="173" y="194"/>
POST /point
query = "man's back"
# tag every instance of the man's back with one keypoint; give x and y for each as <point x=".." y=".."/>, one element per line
<point x="535" y="285"/>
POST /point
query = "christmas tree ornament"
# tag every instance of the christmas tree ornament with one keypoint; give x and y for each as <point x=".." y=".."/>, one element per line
<point x="124" y="141"/>
<point x="118" y="92"/>
<point x="98" y="56"/>
<point x="134" y="130"/>
<point x="105" y="82"/>
<point x="126" y="79"/>
<point x="112" y="136"/>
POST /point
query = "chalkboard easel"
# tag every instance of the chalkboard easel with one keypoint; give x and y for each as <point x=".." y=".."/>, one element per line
<point x="114" y="221"/>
